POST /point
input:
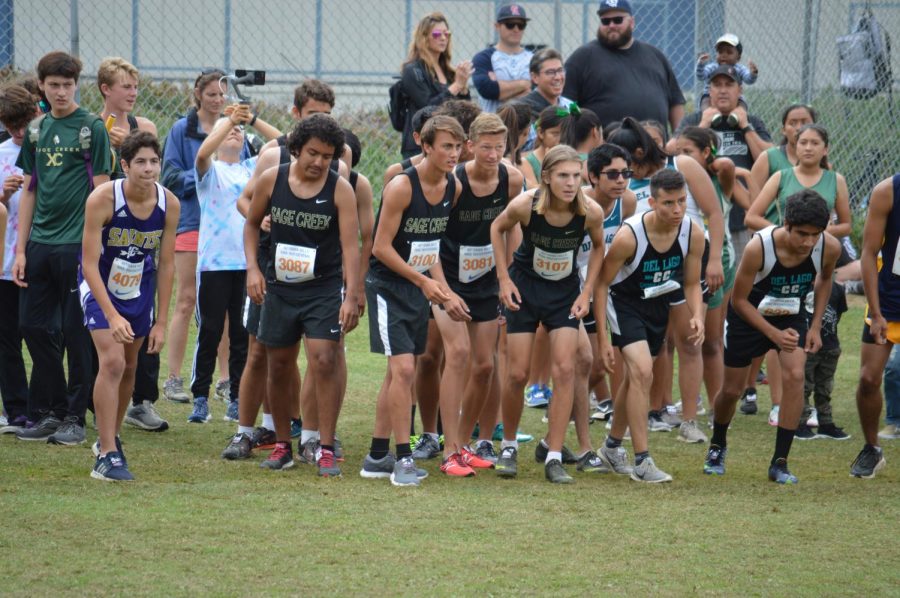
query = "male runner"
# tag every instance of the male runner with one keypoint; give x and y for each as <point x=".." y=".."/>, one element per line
<point x="779" y="267"/>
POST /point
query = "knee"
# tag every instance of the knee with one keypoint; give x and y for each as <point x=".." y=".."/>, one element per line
<point x="516" y="377"/>
<point x="870" y="380"/>
<point x="562" y="372"/>
<point x="688" y="350"/>
<point x="584" y="361"/>
<point x="482" y="370"/>
<point x="712" y="347"/>
<point x="114" y="365"/>
<point x="428" y="361"/>
<point x="793" y="375"/>
<point x="457" y="355"/>
<point x="324" y="362"/>
<point x="640" y="375"/>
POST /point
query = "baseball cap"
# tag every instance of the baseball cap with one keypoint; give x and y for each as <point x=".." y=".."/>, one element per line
<point x="511" y="11"/>
<point x="727" y="70"/>
<point x="607" y="5"/>
<point x="732" y="40"/>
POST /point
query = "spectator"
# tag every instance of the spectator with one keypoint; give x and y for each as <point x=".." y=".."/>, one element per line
<point x="500" y="72"/>
<point x="428" y="78"/>
<point x="549" y="128"/>
<point x="549" y="78"/>
<point x="728" y="52"/>
<point x="785" y="154"/>
<point x="617" y="76"/>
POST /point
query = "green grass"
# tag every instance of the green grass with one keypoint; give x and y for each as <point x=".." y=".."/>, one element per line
<point x="194" y="523"/>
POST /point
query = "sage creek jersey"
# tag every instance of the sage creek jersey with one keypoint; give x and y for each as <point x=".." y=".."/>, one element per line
<point x="418" y="239"/>
<point x="547" y="252"/>
<point x="127" y="256"/>
<point x="651" y="274"/>
<point x="305" y="245"/>
<point x="467" y="256"/>
<point x="777" y="289"/>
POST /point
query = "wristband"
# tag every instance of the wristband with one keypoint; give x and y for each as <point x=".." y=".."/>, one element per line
<point x="253" y="120"/>
<point x="748" y="129"/>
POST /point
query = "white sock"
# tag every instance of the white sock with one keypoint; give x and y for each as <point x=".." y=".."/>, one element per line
<point x="316" y="432"/>
<point x="307" y="435"/>
<point x="248" y="430"/>
<point x="509" y="443"/>
<point x="268" y="422"/>
<point x="551" y="455"/>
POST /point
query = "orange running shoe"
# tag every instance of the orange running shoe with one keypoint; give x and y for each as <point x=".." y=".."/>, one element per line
<point x="473" y="460"/>
<point x="454" y="465"/>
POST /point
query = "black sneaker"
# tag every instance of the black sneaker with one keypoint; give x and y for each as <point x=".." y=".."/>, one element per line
<point x="869" y="461"/>
<point x="507" y="464"/>
<point x="541" y="450"/>
<point x="804" y="432"/>
<point x="748" y="402"/>
<point x="238" y="448"/>
<point x="281" y="458"/>
<point x="832" y="432"/>
<point x="69" y="433"/>
<point x="262" y="439"/>
<point x="556" y="473"/>
<point x="779" y="473"/>
<point x="42" y="430"/>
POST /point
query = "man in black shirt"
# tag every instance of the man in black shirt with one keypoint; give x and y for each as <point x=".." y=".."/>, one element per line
<point x="617" y="76"/>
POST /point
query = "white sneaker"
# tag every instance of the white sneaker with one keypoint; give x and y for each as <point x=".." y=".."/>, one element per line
<point x="773" y="416"/>
<point x="648" y="472"/>
<point x="690" y="432"/>
<point x="813" y="421"/>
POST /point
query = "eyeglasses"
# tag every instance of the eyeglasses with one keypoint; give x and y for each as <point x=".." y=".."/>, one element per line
<point x="607" y="21"/>
<point x="520" y="25"/>
<point x="614" y="174"/>
<point x="437" y="34"/>
<point x="554" y="72"/>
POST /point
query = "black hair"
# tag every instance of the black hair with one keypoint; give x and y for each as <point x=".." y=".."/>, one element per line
<point x="517" y="117"/>
<point x="550" y="118"/>
<point x="660" y="128"/>
<point x="703" y="138"/>
<point x="135" y="141"/>
<point x="632" y="136"/>
<point x="666" y="179"/>
<point x="352" y="140"/>
<point x="578" y="127"/>
<point x="823" y="135"/>
<point x="806" y="207"/>
<point x="422" y="115"/>
<point x="463" y="111"/>
<point x="611" y="127"/>
<point x="204" y="79"/>
<point x="321" y="126"/>
<point x="540" y="57"/>
<point x="790" y="108"/>
<point x="602" y="156"/>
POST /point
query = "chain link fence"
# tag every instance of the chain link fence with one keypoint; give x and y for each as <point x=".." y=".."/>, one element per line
<point x="358" y="46"/>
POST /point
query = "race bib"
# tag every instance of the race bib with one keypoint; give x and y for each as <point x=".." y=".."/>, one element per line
<point x="423" y="255"/>
<point x="552" y="266"/>
<point x="475" y="262"/>
<point x="779" y="306"/>
<point x="294" y="263"/>
<point x="661" y="289"/>
<point x="125" y="279"/>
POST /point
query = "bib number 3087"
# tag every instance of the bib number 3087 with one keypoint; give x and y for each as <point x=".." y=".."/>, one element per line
<point x="294" y="263"/>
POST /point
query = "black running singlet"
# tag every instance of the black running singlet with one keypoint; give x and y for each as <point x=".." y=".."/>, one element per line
<point x="548" y="252"/>
<point x="779" y="290"/>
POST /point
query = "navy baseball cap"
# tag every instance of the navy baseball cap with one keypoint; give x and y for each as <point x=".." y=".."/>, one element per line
<point x="726" y="70"/>
<point x="608" y="5"/>
<point x="509" y="12"/>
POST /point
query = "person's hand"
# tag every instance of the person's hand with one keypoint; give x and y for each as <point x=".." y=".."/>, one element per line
<point x="706" y="117"/>
<point x="348" y="317"/>
<point x="697" y="331"/>
<point x="121" y="329"/>
<point x="715" y="275"/>
<point x="117" y="135"/>
<point x="741" y="113"/>
<point x="813" y="340"/>
<point x="18" y="270"/>
<point x="463" y="72"/>
<point x="239" y="114"/>
<point x="156" y="339"/>
<point x="878" y="329"/>
<point x="435" y="291"/>
<point x="607" y="356"/>
<point x="457" y="309"/>
<point x="704" y="57"/>
<point x="11" y="184"/>
<point x="361" y="304"/>
<point x="266" y="224"/>
<point x="509" y="295"/>
<point x="752" y="66"/>
<point x="580" y="307"/>
<point x="786" y="339"/>
<point x="256" y="286"/>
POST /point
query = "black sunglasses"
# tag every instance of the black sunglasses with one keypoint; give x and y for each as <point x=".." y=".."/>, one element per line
<point x="607" y="21"/>
<point x="614" y="174"/>
<point x="520" y="25"/>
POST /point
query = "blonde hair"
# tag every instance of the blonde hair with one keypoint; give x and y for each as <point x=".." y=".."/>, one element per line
<point x="556" y="156"/>
<point x="418" y="47"/>
<point x="111" y="69"/>
<point x="487" y="123"/>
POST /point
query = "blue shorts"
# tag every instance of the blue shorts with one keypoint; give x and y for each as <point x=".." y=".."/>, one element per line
<point x="94" y="319"/>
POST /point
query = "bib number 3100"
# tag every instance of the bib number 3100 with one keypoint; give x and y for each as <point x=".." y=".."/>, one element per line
<point x="423" y="255"/>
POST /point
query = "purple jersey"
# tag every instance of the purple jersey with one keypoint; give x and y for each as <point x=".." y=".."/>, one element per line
<point x="127" y="263"/>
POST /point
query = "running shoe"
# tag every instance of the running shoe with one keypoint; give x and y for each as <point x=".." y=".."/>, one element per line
<point x="868" y="462"/>
<point x="173" y="390"/>
<point x="42" y="430"/>
<point x="603" y="411"/>
<point x="69" y="433"/>
<point x="556" y="473"/>
<point x="405" y="473"/>
<point x="761" y="377"/>
<point x="485" y="450"/>
<point x="773" y="415"/>
<point x="701" y="410"/>
<point x="831" y="432"/>
<point x="296" y="428"/>
<point x="473" y="460"/>
<point x="541" y="450"/>
<point x="748" y="402"/>
<point x="616" y="459"/>
<point x="889" y="432"/>
<point x="145" y="417"/>
<point x="655" y="423"/>
<point x="520" y="436"/>
<point x="95" y="449"/>
<point x="239" y="447"/>
<point x="649" y="473"/>
<point x="427" y="447"/>
<point x="803" y="432"/>
<point x="715" y="461"/>
<point x="15" y="425"/>
<point x="111" y="468"/>
<point x="223" y="390"/>
<point x="690" y="432"/>
<point x="813" y="420"/>
<point x="507" y="466"/>
<point x="455" y="466"/>
<point x="280" y="458"/>
<point x="535" y="396"/>
<point x="328" y="467"/>
<point x="778" y="473"/>
<point x="383" y="468"/>
<point x="669" y="416"/>
<point x="231" y="412"/>
<point x="338" y="450"/>
<point x="309" y="452"/>
<point x="591" y="463"/>
<point x="200" y="414"/>
<point x="262" y="439"/>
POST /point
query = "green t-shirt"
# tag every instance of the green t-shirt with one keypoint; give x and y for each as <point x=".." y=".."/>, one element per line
<point x="788" y="185"/>
<point x="778" y="160"/>
<point x="62" y="178"/>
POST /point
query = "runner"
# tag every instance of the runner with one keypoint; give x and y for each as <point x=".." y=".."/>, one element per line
<point x="126" y="223"/>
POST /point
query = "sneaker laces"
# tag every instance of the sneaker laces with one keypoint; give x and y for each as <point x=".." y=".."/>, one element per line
<point x="279" y="451"/>
<point x="326" y="458"/>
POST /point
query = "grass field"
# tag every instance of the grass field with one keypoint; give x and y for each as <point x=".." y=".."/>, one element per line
<point x="195" y="524"/>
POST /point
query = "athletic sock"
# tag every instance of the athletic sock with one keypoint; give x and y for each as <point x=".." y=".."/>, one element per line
<point x="719" y="434"/>
<point x="783" y="440"/>
<point x="379" y="448"/>
<point x="613" y="443"/>
<point x="551" y="455"/>
<point x="509" y="444"/>
<point x="433" y="435"/>
<point x="268" y="421"/>
<point x="307" y="435"/>
<point x="248" y="430"/>
<point x="403" y="450"/>
<point x="328" y="447"/>
<point x="412" y="421"/>
<point x="639" y="457"/>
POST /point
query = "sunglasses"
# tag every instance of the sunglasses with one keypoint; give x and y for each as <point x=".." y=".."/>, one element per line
<point x="441" y="34"/>
<point x="607" y="21"/>
<point x="520" y="25"/>
<point x="614" y="174"/>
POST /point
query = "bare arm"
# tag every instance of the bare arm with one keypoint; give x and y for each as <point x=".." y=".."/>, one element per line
<point x="165" y="274"/>
<point x="265" y="129"/>
<point x="203" y="161"/>
<point x="705" y="195"/>
<point x="822" y="292"/>
<point x="345" y="202"/>
<point x="692" y="292"/>
<point x="740" y="195"/>
<point x="26" y="215"/>
<point x="365" y="214"/>
<point x="759" y="174"/>
<point x="842" y="208"/>
<point x="881" y="202"/>
<point x="517" y="212"/>
<point x="621" y="249"/>
<point x="755" y="218"/>
<point x="259" y="205"/>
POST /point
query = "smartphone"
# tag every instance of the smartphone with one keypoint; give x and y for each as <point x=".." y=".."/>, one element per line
<point x="254" y="78"/>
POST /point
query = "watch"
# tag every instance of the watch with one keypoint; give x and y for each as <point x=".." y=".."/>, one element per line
<point x="748" y="129"/>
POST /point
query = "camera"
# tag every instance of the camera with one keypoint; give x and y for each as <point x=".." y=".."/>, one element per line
<point x="246" y="78"/>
